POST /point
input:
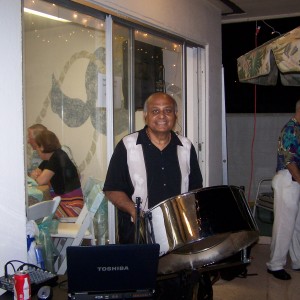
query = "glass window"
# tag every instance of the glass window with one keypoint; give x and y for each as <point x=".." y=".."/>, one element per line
<point x="158" y="68"/>
<point x="122" y="82"/>
<point x="65" y="81"/>
<point x="65" y="71"/>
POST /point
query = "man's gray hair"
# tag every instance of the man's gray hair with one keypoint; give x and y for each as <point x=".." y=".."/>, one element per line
<point x="162" y="95"/>
<point x="36" y="129"/>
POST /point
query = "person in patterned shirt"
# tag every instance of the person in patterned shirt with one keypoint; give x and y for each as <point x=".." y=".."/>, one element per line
<point x="286" y="186"/>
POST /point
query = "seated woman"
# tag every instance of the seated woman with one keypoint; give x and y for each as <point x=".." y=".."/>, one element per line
<point x="58" y="170"/>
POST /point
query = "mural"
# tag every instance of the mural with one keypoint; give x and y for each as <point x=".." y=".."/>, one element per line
<point x="74" y="112"/>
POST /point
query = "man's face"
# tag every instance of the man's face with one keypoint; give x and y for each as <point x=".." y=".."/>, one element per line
<point x="160" y="116"/>
<point x="31" y="140"/>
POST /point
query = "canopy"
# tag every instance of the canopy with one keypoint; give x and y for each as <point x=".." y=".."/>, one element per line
<point x="261" y="65"/>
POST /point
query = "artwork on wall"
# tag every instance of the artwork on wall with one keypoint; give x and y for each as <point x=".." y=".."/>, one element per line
<point x="73" y="111"/>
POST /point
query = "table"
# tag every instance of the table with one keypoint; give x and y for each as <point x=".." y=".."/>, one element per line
<point x="60" y="291"/>
<point x="38" y="193"/>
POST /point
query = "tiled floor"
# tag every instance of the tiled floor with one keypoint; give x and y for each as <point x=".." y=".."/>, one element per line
<point x="259" y="285"/>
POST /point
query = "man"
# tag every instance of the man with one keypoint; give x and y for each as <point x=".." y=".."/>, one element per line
<point x="286" y="185"/>
<point x="32" y="132"/>
<point x="153" y="164"/>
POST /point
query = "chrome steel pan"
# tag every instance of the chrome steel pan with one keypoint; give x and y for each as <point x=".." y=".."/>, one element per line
<point x="200" y="228"/>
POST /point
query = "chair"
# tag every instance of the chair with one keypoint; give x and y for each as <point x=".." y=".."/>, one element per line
<point x="40" y="216"/>
<point x="264" y="195"/>
<point x="73" y="234"/>
<point x="43" y="209"/>
<point x="91" y="181"/>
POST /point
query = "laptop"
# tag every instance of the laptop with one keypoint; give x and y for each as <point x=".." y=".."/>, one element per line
<point x="112" y="271"/>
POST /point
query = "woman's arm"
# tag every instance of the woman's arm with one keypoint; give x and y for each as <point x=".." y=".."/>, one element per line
<point x="44" y="177"/>
<point x="35" y="173"/>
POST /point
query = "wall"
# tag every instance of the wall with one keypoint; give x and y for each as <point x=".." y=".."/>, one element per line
<point x="12" y="188"/>
<point x="240" y="129"/>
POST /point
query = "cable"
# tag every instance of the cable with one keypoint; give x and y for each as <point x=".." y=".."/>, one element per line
<point x="10" y="263"/>
<point x="257" y="31"/>
<point x="252" y="145"/>
<point x="5" y="272"/>
<point x="23" y="264"/>
<point x="254" y="127"/>
<point x="273" y="30"/>
<point x="63" y="284"/>
<point x="27" y="265"/>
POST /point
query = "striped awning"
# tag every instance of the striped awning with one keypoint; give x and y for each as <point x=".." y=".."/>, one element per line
<point x="280" y="55"/>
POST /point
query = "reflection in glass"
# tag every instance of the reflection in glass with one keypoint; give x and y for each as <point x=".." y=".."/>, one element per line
<point x="65" y="81"/>
<point x="157" y="65"/>
<point x="63" y="64"/>
<point x="121" y="82"/>
<point x="158" y="68"/>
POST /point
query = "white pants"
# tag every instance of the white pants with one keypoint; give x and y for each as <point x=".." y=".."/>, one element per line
<point x="286" y="227"/>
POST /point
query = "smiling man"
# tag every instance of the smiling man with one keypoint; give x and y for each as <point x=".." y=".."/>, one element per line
<point x="153" y="164"/>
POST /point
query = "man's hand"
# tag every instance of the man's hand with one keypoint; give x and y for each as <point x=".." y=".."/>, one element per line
<point x="122" y="202"/>
<point x="294" y="170"/>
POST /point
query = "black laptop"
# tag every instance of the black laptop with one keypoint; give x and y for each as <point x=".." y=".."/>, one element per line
<point x="112" y="271"/>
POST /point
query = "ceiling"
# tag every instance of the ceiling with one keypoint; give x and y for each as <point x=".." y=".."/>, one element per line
<point x="250" y="10"/>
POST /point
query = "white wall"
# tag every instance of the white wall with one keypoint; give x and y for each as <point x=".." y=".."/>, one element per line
<point x="195" y="20"/>
<point x="240" y="129"/>
<point x="12" y="188"/>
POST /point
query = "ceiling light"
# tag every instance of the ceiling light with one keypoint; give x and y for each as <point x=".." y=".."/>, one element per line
<point x="37" y="13"/>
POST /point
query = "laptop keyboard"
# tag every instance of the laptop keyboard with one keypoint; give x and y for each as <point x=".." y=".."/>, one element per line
<point x="114" y="295"/>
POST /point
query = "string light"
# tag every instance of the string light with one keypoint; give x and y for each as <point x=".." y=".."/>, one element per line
<point x="44" y="15"/>
<point x="32" y="8"/>
<point x="87" y="22"/>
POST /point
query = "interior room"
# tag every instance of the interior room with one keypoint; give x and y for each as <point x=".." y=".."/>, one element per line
<point x="84" y="69"/>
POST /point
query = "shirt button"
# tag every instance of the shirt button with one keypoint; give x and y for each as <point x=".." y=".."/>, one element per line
<point x="165" y="184"/>
<point x="162" y="168"/>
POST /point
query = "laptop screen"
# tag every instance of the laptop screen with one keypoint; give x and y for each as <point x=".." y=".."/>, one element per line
<point x="113" y="270"/>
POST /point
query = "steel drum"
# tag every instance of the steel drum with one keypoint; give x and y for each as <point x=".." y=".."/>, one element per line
<point x="200" y="228"/>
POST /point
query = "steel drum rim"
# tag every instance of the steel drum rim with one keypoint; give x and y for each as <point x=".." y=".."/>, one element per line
<point x="173" y="262"/>
<point x="194" y="242"/>
<point x="171" y="198"/>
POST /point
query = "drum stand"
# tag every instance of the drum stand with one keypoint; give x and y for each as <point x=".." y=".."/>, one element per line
<point x="138" y="220"/>
<point x="149" y="228"/>
<point x="185" y="285"/>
